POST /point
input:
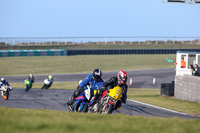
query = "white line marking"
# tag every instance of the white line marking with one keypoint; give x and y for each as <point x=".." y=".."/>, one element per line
<point x="157" y="107"/>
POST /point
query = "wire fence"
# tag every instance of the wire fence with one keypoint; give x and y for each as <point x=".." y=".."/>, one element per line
<point x="126" y="40"/>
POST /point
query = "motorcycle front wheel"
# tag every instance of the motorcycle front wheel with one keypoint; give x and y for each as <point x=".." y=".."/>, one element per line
<point x="109" y="109"/>
<point x="27" y="88"/>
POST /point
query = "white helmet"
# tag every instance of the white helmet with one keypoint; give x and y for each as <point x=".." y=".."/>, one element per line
<point x="3" y="80"/>
<point x="31" y="75"/>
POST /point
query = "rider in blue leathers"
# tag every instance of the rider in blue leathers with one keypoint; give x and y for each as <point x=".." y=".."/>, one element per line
<point x="94" y="81"/>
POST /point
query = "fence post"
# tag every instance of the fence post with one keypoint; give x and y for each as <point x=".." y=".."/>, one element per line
<point x="165" y="40"/>
<point x="6" y="41"/>
<point x="66" y="41"/>
<point x="139" y="40"/>
<point x="174" y="40"/>
<point x="43" y="41"/>
<point x="130" y="40"/>
<point x="58" y="41"/>
<point x="182" y="40"/>
<point x="122" y="40"/>
<point x="36" y="41"/>
<point x="81" y="40"/>
<point x="105" y="40"/>
<point x="156" y="40"/>
<point x="114" y="40"/>
<point x="21" y="41"/>
<point x="97" y="40"/>
<point x="13" y="41"/>
<point x="28" y="41"/>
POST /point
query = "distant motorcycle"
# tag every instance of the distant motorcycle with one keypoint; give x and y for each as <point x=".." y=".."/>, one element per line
<point x="6" y="91"/>
<point x="82" y="101"/>
<point x="27" y="85"/>
<point x="47" y="84"/>
<point x="106" y="104"/>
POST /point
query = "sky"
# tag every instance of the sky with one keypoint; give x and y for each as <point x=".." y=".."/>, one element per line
<point x="75" y="18"/>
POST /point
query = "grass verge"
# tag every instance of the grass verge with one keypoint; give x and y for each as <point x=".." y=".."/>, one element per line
<point x="55" y="85"/>
<point x="152" y="96"/>
<point x="79" y="64"/>
<point x="43" y="121"/>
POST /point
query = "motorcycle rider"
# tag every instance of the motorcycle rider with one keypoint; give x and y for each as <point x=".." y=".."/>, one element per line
<point x="31" y="79"/>
<point x="3" y="82"/>
<point x="120" y="81"/>
<point x="94" y="81"/>
<point x="50" y="82"/>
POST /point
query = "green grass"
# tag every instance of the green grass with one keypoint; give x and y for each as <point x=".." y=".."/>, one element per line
<point x="56" y="85"/>
<point x="108" y="46"/>
<point x="152" y="96"/>
<point x="45" y="121"/>
<point x="79" y="64"/>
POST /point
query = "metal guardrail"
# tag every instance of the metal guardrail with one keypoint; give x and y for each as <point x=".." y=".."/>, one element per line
<point x="39" y="41"/>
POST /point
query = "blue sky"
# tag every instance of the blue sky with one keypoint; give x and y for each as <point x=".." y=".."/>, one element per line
<point x="71" y="18"/>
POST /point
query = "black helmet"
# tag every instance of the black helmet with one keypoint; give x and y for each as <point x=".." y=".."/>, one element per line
<point x="97" y="75"/>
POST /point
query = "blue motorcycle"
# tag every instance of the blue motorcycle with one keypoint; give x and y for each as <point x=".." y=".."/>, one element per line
<point x="81" y="102"/>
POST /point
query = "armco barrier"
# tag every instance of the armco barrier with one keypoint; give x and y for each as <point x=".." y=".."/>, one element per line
<point x="11" y="53"/>
<point x="63" y="52"/>
<point x="126" y="51"/>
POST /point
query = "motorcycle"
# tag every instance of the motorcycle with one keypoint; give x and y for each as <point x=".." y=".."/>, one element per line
<point x="27" y="85"/>
<point x="46" y="84"/>
<point x="106" y="104"/>
<point x="6" y="91"/>
<point x="82" y="101"/>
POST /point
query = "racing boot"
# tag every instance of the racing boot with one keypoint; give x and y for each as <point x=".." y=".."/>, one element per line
<point x="71" y="101"/>
<point x="75" y="95"/>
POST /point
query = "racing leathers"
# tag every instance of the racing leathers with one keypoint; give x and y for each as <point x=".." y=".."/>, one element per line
<point x="32" y="80"/>
<point x="47" y="86"/>
<point x="2" y="84"/>
<point x="110" y="84"/>
<point x="89" y="80"/>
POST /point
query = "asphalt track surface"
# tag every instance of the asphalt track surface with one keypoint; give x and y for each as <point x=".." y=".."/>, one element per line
<point x="55" y="99"/>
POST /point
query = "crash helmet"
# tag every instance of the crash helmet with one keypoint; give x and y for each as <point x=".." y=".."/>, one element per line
<point x="3" y="80"/>
<point x="50" y="77"/>
<point x="31" y="75"/>
<point x="122" y="76"/>
<point x="97" y="75"/>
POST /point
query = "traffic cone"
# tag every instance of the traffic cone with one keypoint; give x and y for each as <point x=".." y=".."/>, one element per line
<point x="131" y="81"/>
<point x="154" y="80"/>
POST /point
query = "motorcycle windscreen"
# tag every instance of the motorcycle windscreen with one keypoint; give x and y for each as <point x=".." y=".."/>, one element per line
<point x="116" y="93"/>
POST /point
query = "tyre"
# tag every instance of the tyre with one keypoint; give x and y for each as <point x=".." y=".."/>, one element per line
<point x="109" y="109"/>
<point x="27" y="88"/>
<point x="85" y="108"/>
<point x="7" y="94"/>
